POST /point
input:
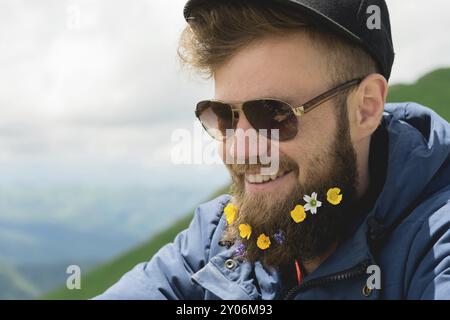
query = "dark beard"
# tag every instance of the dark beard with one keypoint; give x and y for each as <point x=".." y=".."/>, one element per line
<point x="317" y="233"/>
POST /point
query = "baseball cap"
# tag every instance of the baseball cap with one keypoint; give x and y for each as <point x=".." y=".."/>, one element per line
<point x="365" y="22"/>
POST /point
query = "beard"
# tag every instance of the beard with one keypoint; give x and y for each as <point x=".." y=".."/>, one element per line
<point x="269" y="213"/>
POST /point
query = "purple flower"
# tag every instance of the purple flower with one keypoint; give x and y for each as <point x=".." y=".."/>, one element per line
<point x="240" y="250"/>
<point x="279" y="237"/>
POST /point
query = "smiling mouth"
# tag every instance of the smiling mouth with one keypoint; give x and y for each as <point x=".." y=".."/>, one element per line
<point x="261" y="179"/>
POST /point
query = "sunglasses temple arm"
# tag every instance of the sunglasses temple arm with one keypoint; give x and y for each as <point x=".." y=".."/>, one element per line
<point x="310" y="105"/>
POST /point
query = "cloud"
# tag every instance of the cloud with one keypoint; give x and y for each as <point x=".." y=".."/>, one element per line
<point x="109" y="86"/>
<point x="419" y="31"/>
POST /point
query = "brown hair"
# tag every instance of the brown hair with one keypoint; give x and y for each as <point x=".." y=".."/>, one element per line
<point x="217" y="30"/>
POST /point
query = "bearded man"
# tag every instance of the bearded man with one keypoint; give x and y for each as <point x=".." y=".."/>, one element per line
<point x="360" y="186"/>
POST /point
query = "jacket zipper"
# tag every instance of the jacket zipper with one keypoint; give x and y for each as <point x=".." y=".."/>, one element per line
<point x="353" y="272"/>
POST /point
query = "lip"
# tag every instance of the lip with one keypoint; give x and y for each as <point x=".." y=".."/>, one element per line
<point x="269" y="185"/>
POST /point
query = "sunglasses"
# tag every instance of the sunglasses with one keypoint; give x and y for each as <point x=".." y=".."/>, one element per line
<point x="220" y="119"/>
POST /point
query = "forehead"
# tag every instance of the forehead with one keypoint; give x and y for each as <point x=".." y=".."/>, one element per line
<point x="282" y="66"/>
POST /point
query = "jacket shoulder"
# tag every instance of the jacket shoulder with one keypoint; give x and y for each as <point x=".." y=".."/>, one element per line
<point x="421" y="118"/>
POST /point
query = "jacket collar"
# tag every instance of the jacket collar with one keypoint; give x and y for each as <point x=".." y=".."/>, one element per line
<point x="244" y="281"/>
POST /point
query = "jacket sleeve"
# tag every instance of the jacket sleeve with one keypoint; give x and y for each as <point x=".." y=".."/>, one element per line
<point x="431" y="279"/>
<point x="168" y="274"/>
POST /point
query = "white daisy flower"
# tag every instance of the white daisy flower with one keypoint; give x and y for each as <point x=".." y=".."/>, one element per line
<point x="312" y="203"/>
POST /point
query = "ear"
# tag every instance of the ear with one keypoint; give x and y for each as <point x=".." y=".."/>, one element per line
<point x="367" y="106"/>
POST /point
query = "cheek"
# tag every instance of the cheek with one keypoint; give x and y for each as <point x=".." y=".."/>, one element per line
<point x="305" y="149"/>
<point x="295" y="151"/>
<point x="317" y="134"/>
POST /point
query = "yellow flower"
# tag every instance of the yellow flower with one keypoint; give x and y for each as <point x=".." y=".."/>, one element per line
<point x="245" y="231"/>
<point x="298" y="214"/>
<point x="230" y="213"/>
<point x="263" y="242"/>
<point x="334" y="196"/>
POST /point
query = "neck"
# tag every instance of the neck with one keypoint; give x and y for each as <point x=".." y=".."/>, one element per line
<point x="311" y="265"/>
<point x="362" y="162"/>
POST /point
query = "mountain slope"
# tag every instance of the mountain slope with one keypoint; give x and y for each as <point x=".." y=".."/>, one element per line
<point x="13" y="284"/>
<point x="102" y="277"/>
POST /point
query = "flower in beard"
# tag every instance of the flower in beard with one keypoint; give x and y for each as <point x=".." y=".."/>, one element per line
<point x="263" y="242"/>
<point x="298" y="214"/>
<point x="230" y="213"/>
<point x="279" y="237"/>
<point x="240" y="250"/>
<point x="245" y="231"/>
<point x="312" y="203"/>
<point x="333" y="196"/>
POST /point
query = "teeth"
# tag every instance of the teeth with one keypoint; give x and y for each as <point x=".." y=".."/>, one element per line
<point x="258" y="178"/>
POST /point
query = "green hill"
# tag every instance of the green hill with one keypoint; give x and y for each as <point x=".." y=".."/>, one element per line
<point x="431" y="90"/>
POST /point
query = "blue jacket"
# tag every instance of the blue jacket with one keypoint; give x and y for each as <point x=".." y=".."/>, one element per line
<point x="406" y="233"/>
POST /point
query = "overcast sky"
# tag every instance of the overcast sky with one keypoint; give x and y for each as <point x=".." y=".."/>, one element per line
<point x="97" y="81"/>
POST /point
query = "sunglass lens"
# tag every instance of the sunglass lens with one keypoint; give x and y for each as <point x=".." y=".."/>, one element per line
<point x="272" y="115"/>
<point x="216" y="118"/>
